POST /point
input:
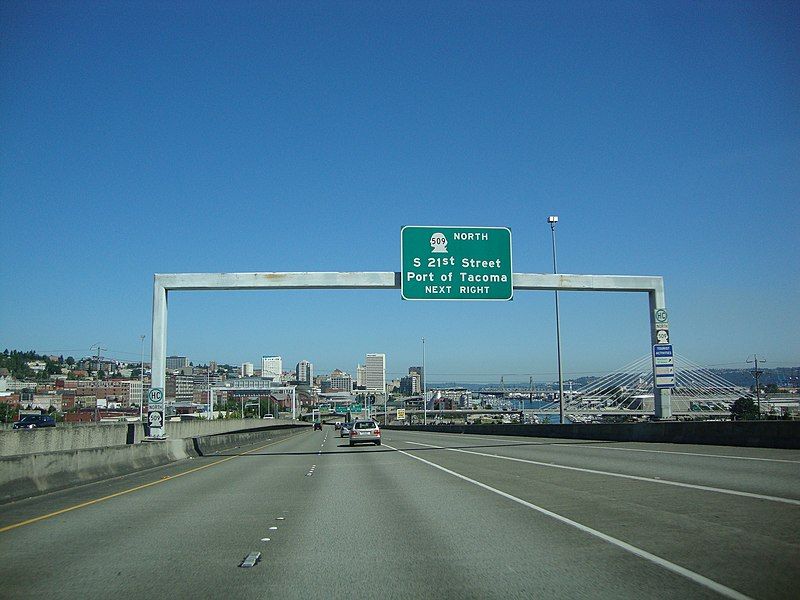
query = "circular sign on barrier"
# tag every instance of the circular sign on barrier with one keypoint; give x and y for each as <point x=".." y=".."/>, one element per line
<point x="155" y="418"/>
<point x="155" y="396"/>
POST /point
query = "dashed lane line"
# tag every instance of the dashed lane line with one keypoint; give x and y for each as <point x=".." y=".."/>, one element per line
<point x="133" y="489"/>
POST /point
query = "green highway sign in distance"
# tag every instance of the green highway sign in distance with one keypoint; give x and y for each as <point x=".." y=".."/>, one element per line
<point x="456" y="263"/>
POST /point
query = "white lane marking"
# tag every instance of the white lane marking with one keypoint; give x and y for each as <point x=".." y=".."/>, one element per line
<point x="693" y="486"/>
<point x="272" y="528"/>
<point x="280" y="518"/>
<point x="592" y="447"/>
<point x="586" y="445"/>
<point x="662" y="562"/>
<point x="264" y="539"/>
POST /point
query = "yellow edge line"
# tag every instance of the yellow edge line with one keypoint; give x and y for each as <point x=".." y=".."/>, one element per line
<point x="133" y="489"/>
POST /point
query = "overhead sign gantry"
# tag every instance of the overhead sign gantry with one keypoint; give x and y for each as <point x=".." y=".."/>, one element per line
<point x="497" y="251"/>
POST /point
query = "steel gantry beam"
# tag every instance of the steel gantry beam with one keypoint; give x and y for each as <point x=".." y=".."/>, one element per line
<point x="372" y="280"/>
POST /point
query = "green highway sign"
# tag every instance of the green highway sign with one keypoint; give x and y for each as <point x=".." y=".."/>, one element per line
<point x="456" y="263"/>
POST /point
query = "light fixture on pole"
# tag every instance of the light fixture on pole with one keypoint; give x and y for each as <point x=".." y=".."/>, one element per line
<point x="553" y="219"/>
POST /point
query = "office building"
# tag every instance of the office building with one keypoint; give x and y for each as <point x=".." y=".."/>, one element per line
<point x="375" y="375"/>
<point x="179" y="388"/>
<point x="271" y="366"/>
<point x="409" y="385"/>
<point x="341" y="381"/>
<point x="247" y="369"/>
<point x="304" y="373"/>
<point x="418" y="371"/>
<point x="177" y="362"/>
<point x="361" y="376"/>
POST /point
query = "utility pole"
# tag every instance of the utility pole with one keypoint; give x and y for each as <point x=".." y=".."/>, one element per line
<point x="756" y="372"/>
<point x="530" y="392"/>
<point x="99" y="350"/>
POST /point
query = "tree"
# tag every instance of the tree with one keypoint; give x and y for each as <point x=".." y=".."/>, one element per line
<point x="52" y="368"/>
<point x="772" y="388"/>
<point x="70" y="361"/>
<point x="6" y="412"/>
<point x="744" y="409"/>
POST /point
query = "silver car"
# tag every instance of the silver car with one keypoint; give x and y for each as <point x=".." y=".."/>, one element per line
<point x="344" y="430"/>
<point x="363" y="431"/>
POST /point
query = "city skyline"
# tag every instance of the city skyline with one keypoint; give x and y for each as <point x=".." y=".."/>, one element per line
<point x="128" y="150"/>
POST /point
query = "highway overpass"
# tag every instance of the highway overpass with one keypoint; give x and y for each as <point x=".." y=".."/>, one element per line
<point x="425" y="515"/>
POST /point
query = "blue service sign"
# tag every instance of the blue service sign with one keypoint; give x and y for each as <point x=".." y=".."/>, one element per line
<point x="662" y="350"/>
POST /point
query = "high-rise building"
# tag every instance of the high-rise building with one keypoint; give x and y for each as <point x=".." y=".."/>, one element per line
<point x="410" y="385"/>
<point x="177" y="362"/>
<point x="361" y="376"/>
<point x="271" y="366"/>
<point x="420" y="374"/>
<point x="247" y="369"/>
<point x="375" y="376"/>
<point x="304" y="373"/>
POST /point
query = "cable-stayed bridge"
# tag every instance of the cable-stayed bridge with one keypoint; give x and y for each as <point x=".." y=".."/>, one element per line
<point x="629" y="390"/>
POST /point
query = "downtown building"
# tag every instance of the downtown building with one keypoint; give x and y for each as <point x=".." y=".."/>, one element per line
<point x="375" y="373"/>
<point x="339" y="381"/>
<point x="175" y="363"/>
<point x="272" y="366"/>
<point x="123" y="391"/>
<point x="304" y="373"/>
<point x="179" y="388"/>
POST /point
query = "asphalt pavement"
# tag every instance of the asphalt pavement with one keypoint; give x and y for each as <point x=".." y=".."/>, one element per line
<point x="425" y="515"/>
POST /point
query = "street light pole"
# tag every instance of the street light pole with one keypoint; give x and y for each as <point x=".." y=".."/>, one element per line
<point x="553" y="220"/>
<point x="141" y="378"/>
<point x="424" y="386"/>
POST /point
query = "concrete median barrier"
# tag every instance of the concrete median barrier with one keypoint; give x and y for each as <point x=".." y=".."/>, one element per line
<point x="26" y="475"/>
<point x="764" y="434"/>
<point x="78" y="436"/>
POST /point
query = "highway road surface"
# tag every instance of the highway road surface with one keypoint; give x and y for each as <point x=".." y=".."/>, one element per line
<point x="425" y="515"/>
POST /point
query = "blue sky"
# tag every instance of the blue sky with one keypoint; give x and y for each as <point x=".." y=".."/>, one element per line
<point x="139" y="138"/>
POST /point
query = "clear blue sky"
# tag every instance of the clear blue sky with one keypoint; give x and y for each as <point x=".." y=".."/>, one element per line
<point x="141" y="137"/>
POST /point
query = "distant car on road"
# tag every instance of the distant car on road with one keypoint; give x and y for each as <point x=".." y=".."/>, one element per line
<point x="337" y="426"/>
<point x="34" y="422"/>
<point x="344" y="431"/>
<point x="268" y="417"/>
<point x="364" y="431"/>
<point x="317" y="425"/>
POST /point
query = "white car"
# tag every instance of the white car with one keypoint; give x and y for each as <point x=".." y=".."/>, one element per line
<point x="365" y="431"/>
